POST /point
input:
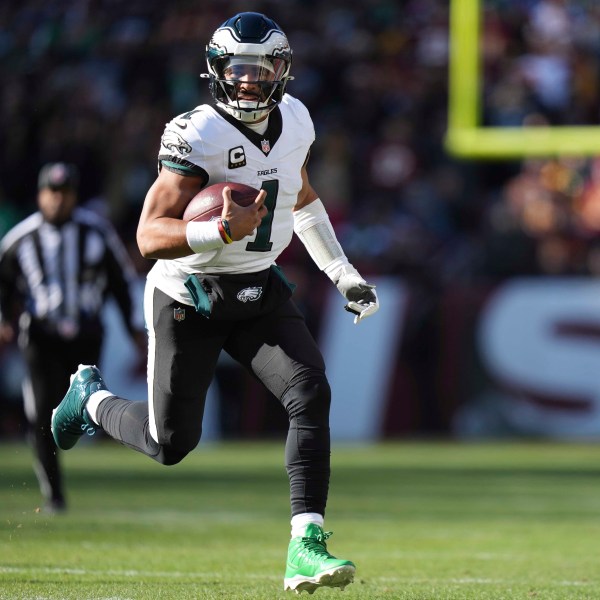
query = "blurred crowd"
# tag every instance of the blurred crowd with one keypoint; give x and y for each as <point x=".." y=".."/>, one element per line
<point x="542" y="67"/>
<point x="95" y="81"/>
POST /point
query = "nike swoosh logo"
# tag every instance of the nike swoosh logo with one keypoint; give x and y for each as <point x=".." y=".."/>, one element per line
<point x="181" y="126"/>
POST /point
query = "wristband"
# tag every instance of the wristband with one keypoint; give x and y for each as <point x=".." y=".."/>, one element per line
<point x="224" y="231"/>
<point x="203" y="235"/>
<point x="227" y="230"/>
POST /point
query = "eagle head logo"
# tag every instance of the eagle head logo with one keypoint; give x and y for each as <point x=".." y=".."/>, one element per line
<point x="249" y="294"/>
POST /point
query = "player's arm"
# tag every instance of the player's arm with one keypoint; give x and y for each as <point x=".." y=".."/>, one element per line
<point x="313" y="227"/>
<point x="161" y="233"/>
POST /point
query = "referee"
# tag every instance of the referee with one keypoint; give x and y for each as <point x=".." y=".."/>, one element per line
<point x="57" y="268"/>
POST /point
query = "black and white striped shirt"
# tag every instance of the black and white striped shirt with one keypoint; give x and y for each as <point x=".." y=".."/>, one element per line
<point x="60" y="276"/>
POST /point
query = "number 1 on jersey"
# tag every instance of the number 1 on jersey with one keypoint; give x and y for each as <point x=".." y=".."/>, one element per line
<point x="262" y="242"/>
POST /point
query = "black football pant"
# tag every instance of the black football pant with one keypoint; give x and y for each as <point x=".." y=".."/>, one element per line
<point x="50" y="362"/>
<point x="183" y="351"/>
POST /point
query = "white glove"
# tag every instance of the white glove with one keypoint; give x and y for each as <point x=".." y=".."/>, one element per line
<point x="361" y="296"/>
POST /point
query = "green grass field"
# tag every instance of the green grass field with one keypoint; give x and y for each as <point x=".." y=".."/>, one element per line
<point x="421" y="521"/>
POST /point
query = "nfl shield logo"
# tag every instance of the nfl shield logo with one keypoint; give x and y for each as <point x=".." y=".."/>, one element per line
<point x="266" y="146"/>
<point x="179" y="314"/>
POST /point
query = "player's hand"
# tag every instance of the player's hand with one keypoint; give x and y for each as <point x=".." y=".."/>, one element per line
<point x="361" y="296"/>
<point x="243" y="220"/>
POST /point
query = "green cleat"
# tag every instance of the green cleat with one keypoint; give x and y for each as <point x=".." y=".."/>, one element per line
<point x="70" y="420"/>
<point x="310" y="566"/>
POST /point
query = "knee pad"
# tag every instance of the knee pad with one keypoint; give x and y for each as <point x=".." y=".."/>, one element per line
<point x="309" y="397"/>
<point x="176" y="448"/>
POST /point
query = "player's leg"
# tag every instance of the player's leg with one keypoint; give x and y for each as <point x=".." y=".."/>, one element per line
<point x="50" y="361"/>
<point x="45" y="381"/>
<point x="182" y="354"/>
<point x="282" y="353"/>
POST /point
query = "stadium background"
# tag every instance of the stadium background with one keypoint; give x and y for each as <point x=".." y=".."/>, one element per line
<point x="488" y="269"/>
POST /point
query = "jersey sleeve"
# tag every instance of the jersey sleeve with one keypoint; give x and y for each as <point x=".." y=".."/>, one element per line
<point x="303" y="123"/>
<point x="179" y="147"/>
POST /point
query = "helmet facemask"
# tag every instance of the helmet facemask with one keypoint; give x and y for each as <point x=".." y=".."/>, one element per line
<point x="251" y="85"/>
<point x="248" y="78"/>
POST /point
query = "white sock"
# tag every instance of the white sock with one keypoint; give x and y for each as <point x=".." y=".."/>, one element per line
<point x="94" y="401"/>
<point x="299" y="522"/>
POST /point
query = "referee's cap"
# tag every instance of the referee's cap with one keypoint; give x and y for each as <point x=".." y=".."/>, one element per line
<point x="58" y="175"/>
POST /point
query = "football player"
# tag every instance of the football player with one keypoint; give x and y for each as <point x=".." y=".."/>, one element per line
<point x="198" y="301"/>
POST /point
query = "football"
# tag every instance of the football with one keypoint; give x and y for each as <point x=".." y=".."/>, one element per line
<point x="208" y="202"/>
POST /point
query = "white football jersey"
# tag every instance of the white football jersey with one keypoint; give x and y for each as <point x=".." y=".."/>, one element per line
<point x="212" y="143"/>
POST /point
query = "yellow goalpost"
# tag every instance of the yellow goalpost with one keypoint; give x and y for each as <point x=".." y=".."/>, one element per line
<point x="466" y="137"/>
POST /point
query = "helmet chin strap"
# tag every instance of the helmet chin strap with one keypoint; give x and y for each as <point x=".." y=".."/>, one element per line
<point x="251" y="116"/>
